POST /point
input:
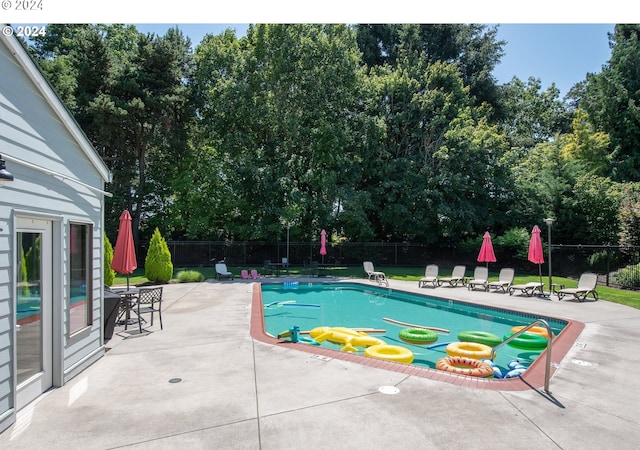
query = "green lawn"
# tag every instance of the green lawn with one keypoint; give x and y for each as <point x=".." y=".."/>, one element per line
<point x="623" y="297"/>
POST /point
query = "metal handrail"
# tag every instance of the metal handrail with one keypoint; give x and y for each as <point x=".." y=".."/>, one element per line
<point x="547" y="372"/>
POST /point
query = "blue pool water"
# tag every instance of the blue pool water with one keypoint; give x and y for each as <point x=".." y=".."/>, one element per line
<point x="311" y="305"/>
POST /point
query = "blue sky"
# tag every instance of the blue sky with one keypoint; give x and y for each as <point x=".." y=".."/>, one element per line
<point x="555" y="53"/>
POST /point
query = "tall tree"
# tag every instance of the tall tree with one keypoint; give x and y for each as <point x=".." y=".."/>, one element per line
<point x="612" y="99"/>
<point x="434" y="173"/>
<point x="531" y="115"/>
<point x="278" y="109"/>
<point x="473" y="47"/>
<point x="130" y="94"/>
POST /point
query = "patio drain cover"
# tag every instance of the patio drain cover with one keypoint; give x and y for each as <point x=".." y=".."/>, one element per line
<point x="175" y="380"/>
<point x="389" y="389"/>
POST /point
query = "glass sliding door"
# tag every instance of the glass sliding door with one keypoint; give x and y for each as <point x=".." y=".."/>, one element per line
<point x="33" y="309"/>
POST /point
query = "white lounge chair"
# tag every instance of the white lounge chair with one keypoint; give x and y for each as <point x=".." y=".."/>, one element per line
<point x="480" y="278"/>
<point x="586" y="285"/>
<point x="529" y="288"/>
<point x="457" y="276"/>
<point x="222" y="272"/>
<point x="371" y="272"/>
<point x="505" y="278"/>
<point x="430" y="276"/>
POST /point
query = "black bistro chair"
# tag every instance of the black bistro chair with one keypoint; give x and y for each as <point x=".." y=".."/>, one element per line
<point x="149" y="301"/>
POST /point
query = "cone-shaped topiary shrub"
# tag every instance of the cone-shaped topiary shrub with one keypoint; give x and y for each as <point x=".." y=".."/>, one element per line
<point x="109" y="273"/>
<point x="158" y="267"/>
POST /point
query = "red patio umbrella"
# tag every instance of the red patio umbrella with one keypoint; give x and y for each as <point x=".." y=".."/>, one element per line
<point x="124" y="255"/>
<point x="536" y="255"/>
<point x="323" y="244"/>
<point x="486" y="254"/>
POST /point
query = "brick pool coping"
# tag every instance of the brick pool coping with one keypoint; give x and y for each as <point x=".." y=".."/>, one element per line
<point x="533" y="378"/>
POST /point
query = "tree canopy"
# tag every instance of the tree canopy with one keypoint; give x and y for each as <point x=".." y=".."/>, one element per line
<point x="377" y="132"/>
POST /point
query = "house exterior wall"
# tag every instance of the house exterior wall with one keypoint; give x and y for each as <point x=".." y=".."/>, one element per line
<point x="58" y="177"/>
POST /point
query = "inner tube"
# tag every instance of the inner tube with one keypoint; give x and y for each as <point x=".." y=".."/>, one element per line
<point x="472" y="350"/>
<point x="464" y="366"/>
<point x="542" y="331"/>
<point x="418" y="336"/>
<point x="390" y="353"/>
<point x="517" y="369"/>
<point x="527" y="341"/>
<point x="481" y="337"/>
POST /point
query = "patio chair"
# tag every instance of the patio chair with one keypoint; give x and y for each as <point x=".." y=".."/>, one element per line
<point x="586" y="285"/>
<point x="457" y="276"/>
<point x="254" y="274"/>
<point x="480" y="278"/>
<point x="314" y="268"/>
<point x="222" y="272"/>
<point x="430" y="276"/>
<point x="528" y="289"/>
<point x="149" y="301"/>
<point x="244" y="274"/>
<point x="505" y="278"/>
<point x="371" y="272"/>
<point x="267" y="268"/>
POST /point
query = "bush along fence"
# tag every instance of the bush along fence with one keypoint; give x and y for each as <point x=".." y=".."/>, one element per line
<point x="617" y="266"/>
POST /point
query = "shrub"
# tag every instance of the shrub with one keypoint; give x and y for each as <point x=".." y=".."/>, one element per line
<point x="189" y="276"/>
<point x="515" y="241"/>
<point x="24" y="277"/>
<point x="109" y="273"/>
<point x="629" y="277"/>
<point x="602" y="260"/>
<point x="157" y="265"/>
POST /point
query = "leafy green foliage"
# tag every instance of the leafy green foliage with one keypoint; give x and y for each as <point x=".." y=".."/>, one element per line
<point x="629" y="277"/>
<point x="603" y="260"/>
<point x="109" y="273"/>
<point x="515" y="241"/>
<point x="157" y="265"/>
<point x="24" y="274"/>
<point x="384" y="132"/>
<point x="612" y="99"/>
<point x="630" y="216"/>
<point x="189" y="276"/>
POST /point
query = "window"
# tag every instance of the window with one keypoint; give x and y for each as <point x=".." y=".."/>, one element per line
<point x="80" y="270"/>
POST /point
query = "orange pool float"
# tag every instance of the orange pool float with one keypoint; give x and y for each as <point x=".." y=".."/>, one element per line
<point x="464" y="366"/>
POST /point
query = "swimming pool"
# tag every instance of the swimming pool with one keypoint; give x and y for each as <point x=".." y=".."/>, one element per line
<point x="357" y="305"/>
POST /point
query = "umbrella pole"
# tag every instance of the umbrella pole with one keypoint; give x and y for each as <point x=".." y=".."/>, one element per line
<point x="542" y="284"/>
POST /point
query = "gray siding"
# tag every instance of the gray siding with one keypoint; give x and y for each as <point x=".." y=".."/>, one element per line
<point x="33" y="131"/>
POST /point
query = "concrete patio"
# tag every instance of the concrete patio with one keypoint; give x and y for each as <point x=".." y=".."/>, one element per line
<point x="204" y="383"/>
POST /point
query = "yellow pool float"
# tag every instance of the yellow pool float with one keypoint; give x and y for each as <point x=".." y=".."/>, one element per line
<point x="347" y="337"/>
<point x="390" y="353"/>
<point x="469" y="350"/>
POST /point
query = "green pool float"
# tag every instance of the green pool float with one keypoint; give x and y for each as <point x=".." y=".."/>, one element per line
<point x="480" y="337"/>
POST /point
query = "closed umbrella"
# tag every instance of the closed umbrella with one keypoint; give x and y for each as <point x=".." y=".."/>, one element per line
<point x="486" y="254"/>
<point x="323" y="244"/>
<point x="124" y="255"/>
<point x="536" y="255"/>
